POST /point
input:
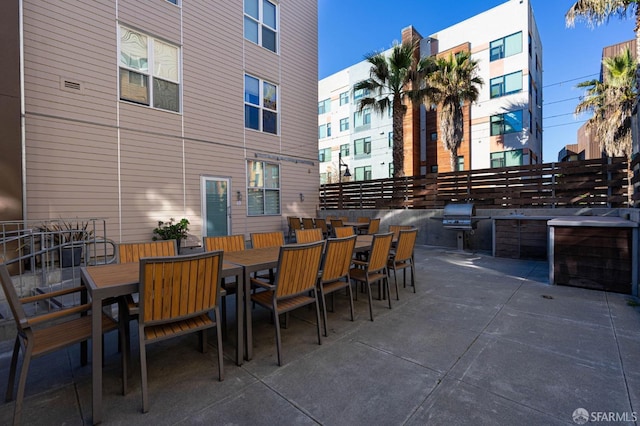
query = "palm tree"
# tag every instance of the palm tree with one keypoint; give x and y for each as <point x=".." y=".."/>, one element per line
<point x="611" y="101"/>
<point x="598" y="12"/>
<point x="449" y="82"/>
<point x="387" y="87"/>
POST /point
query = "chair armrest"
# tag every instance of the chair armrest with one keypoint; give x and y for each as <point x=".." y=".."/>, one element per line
<point x="263" y="284"/>
<point x="43" y="296"/>
<point x="58" y="314"/>
<point x="359" y="262"/>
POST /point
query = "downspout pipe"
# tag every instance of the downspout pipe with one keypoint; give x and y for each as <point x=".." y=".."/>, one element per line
<point x="23" y="140"/>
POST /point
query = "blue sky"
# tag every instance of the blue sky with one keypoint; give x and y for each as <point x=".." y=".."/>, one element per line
<point x="349" y="29"/>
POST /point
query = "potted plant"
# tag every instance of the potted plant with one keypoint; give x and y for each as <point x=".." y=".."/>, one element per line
<point x="70" y="237"/>
<point x="172" y="230"/>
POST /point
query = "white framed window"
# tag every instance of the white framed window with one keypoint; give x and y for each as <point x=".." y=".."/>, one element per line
<point x="149" y="71"/>
<point x="390" y="139"/>
<point x="363" y="173"/>
<point x="362" y="146"/>
<point x="260" y="23"/>
<point x="344" y="150"/>
<point x="362" y="119"/>
<point x="508" y="122"/>
<point x="324" y="131"/>
<point x="344" y="98"/>
<point x="260" y="105"/>
<point x="263" y="188"/>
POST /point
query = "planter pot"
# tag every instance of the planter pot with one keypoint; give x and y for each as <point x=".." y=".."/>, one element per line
<point x="71" y="256"/>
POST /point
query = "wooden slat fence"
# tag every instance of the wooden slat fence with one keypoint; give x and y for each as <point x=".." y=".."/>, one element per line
<point x="589" y="183"/>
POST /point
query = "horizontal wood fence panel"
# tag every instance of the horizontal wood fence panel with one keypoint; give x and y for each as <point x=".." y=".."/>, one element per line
<point x="589" y="183"/>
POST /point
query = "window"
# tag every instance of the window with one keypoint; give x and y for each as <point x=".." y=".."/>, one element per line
<point x="360" y="93"/>
<point x="390" y="170"/>
<point x="344" y="150"/>
<point x="506" y="84"/>
<point x="433" y="136"/>
<point x="344" y="124"/>
<point x="506" y="46"/>
<point x="362" y="119"/>
<point x="323" y="178"/>
<point x="324" y="131"/>
<point x="260" y="105"/>
<point x="434" y="169"/>
<point x="363" y="173"/>
<point x="260" y="18"/>
<point x="390" y="139"/>
<point x="263" y="188"/>
<point x="324" y="106"/>
<point x="362" y="146"/>
<point x="324" y="155"/>
<point x="529" y="45"/>
<point x="508" y="122"/>
<point x="506" y="158"/>
<point x="344" y="98"/>
<point x="460" y="162"/>
<point x="174" y="2"/>
<point x="149" y="71"/>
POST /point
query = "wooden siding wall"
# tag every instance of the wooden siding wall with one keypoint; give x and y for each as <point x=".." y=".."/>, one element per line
<point x="591" y="183"/>
<point x="91" y="155"/>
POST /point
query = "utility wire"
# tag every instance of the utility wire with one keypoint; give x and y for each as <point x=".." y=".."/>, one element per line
<point x="573" y="79"/>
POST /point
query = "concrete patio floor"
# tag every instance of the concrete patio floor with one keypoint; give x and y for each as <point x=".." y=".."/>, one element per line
<point x="483" y="341"/>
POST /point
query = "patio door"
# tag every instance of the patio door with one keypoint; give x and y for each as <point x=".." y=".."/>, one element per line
<point x="216" y="206"/>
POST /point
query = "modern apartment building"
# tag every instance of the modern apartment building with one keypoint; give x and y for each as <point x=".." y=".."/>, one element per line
<point x="140" y="111"/>
<point x="503" y="128"/>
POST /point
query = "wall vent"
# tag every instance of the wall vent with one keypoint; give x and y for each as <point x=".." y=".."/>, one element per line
<point x="70" y="85"/>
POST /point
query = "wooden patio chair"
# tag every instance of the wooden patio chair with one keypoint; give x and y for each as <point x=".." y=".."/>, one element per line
<point x="294" y="223"/>
<point x="46" y="333"/>
<point x="335" y="273"/>
<point x="308" y="223"/>
<point x="402" y="257"/>
<point x="304" y="236"/>
<point x="375" y="269"/>
<point x="133" y="252"/>
<point x="179" y="295"/>
<point x="322" y="224"/>
<point x="267" y="239"/>
<point x="362" y="219"/>
<point x="343" y="231"/>
<point x="336" y="223"/>
<point x="226" y="243"/>
<point x="374" y="226"/>
<point x="295" y="284"/>
<point x="397" y="228"/>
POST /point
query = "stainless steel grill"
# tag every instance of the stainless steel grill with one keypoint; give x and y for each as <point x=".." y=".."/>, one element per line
<point x="460" y="217"/>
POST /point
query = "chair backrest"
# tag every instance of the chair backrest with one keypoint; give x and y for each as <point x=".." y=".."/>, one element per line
<point x="226" y="243"/>
<point x="294" y="223"/>
<point x="405" y="245"/>
<point x="337" y="258"/>
<point x="397" y="228"/>
<point x="308" y="235"/>
<point x="298" y="267"/>
<point x="343" y="231"/>
<point x="307" y="223"/>
<point x="362" y="219"/>
<point x="267" y="239"/>
<point x="133" y="252"/>
<point x="336" y="223"/>
<point x="374" y="226"/>
<point x="179" y="287"/>
<point x="322" y="224"/>
<point x="12" y="298"/>
<point x="379" y="255"/>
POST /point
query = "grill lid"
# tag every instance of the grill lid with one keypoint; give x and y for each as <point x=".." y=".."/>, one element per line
<point x="461" y="211"/>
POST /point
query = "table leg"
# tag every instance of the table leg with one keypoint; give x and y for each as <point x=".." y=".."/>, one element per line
<point x="96" y="360"/>
<point x="247" y="311"/>
<point x="239" y="321"/>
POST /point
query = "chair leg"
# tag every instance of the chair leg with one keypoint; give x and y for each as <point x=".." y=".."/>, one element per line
<point x="143" y="372"/>
<point x="370" y="301"/>
<point x="17" y="411"/>
<point x="278" y="346"/>
<point x="12" y="370"/>
<point x="125" y="353"/>
<point x="350" y="301"/>
<point x="397" y="293"/>
<point x="315" y="294"/>
<point x="220" y="352"/>
<point x="323" y="302"/>
<point x="223" y="318"/>
<point x="413" y="282"/>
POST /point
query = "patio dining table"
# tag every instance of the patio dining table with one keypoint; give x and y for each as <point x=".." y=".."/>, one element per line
<point x="120" y="279"/>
